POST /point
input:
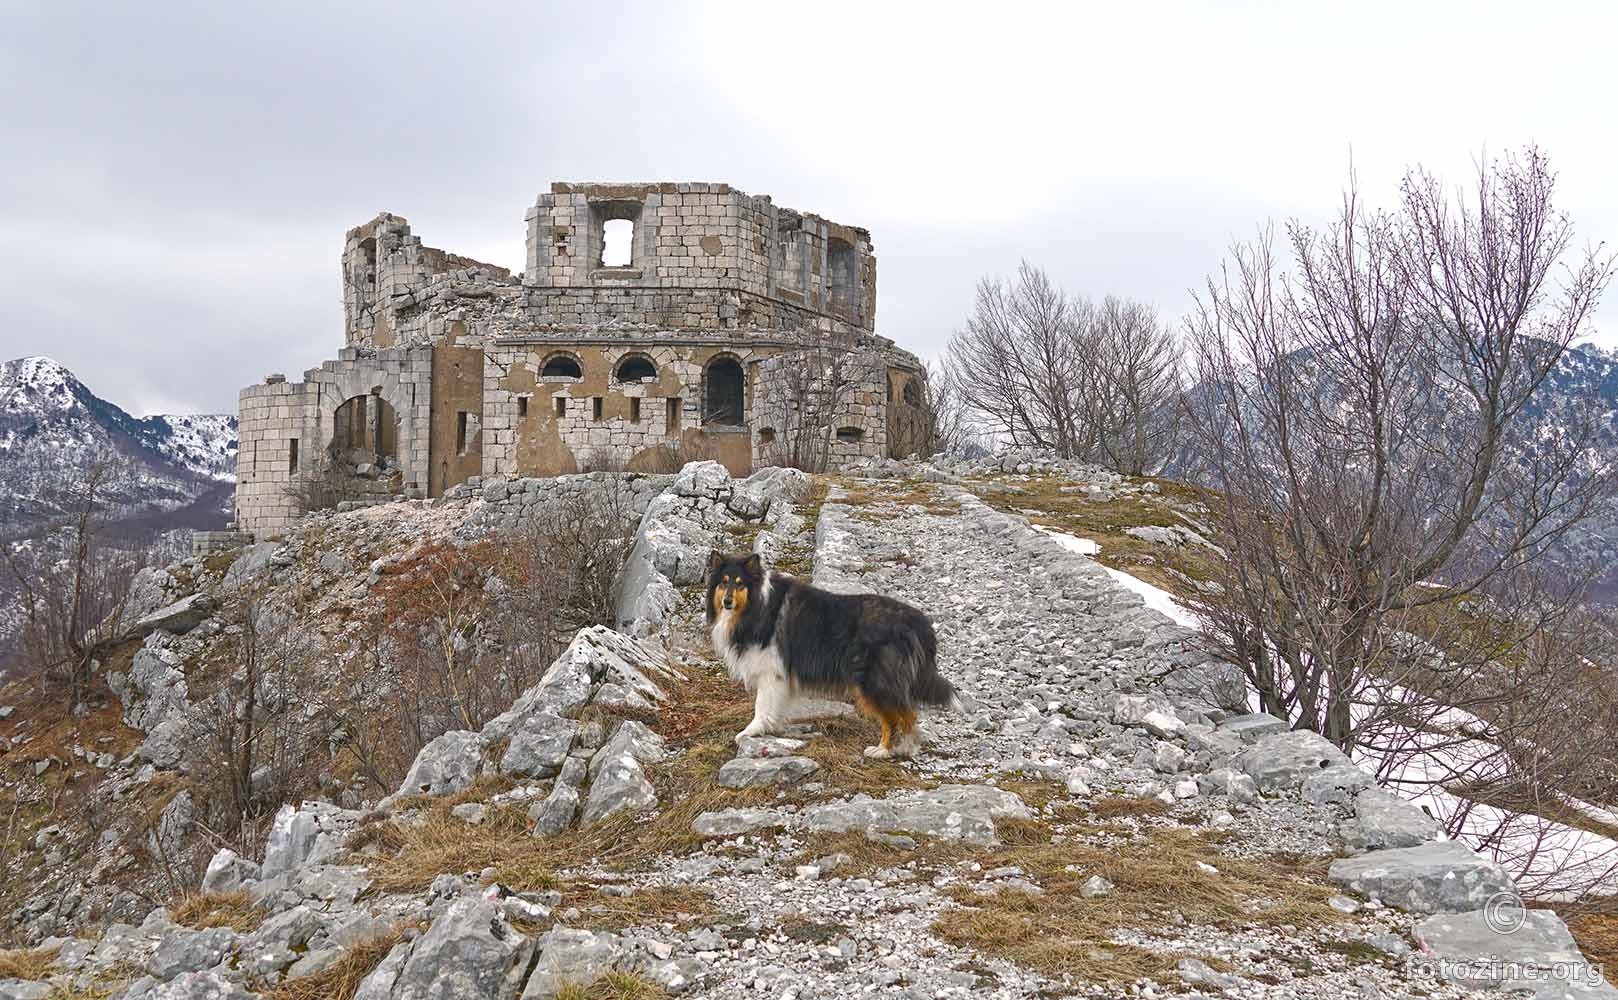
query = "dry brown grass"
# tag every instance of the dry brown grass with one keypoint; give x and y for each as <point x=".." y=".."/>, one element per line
<point x="27" y="963"/>
<point x="1157" y="876"/>
<point x="1104" y="521"/>
<point x="1595" y="931"/>
<point x="1125" y="806"/>
<point x="341" y="980"/>
<point x="613" y="986"/>
<point x="217" y="909"/>
<point x="650" y="905"/>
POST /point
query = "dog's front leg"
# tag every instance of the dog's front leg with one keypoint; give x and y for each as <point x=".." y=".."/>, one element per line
<point x="770" y="706"/>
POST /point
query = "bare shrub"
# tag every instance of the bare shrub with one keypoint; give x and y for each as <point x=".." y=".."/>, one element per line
<point x="72" y="580"/>
<point x="1368" y="415"/>
<point x="461" y="630"/>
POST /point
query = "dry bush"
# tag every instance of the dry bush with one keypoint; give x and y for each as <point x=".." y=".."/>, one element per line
<point x="71" y="581"/>
<point x="666" y="459"/>
<point x="217" y="909"/>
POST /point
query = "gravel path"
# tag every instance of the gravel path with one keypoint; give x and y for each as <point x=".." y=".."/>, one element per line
<point x="1042" y="644"/>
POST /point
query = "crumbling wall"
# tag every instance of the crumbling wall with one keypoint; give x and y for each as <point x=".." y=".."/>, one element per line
<point x="384" y="270"/>
<point x="285" y="429"/>
<point x="701" y="239"/>
<point x="820" y="408"/>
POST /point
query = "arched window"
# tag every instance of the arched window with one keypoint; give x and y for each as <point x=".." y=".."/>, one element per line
<point x="561" y="366"/>
<point x="635" y="368"/>
<point x="722" y="392"/>
<point x="364" y="429"/>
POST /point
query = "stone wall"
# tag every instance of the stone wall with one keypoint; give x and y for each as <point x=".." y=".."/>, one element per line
<point x="819" y="408"/>
<point x="285" y="428"/>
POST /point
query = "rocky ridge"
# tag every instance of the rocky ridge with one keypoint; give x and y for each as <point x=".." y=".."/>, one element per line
<point x="1094" y="730"/>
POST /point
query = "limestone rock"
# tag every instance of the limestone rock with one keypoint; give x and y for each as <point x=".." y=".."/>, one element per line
<point x="191" y="951"/>
<point x="227" y="870"/>
<point x="1335" y="786"/>
<point x="178" y="618"/>
<point x="949" y="812"/>
<point x="1281" y="762"/>
<point x="447" y="764"/>
<point x="539" y="746"/>
<point x="1517" y="960"/>
<point x="730" y="822"/>
<point x="471" y="950"/>
<point x="1441" y="877"/>
<point x="1382" y="820"/>
<point x="1250" y="728"/>
<point x="762" y="772"/>
<point x="569" y="956"/>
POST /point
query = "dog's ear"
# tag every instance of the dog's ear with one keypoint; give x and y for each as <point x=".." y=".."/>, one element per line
<point x="754" y="565"/>
<point x="715" y="560"/>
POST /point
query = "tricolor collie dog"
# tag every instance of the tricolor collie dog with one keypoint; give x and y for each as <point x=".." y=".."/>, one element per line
<point x="782" y="637"/>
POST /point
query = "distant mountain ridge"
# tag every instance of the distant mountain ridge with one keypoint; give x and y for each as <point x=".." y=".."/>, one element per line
<point x="52" y="427"/>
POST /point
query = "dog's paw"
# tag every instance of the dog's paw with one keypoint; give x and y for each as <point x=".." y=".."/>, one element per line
<point x="878" y="753"/>
<point x="749" y="733"/>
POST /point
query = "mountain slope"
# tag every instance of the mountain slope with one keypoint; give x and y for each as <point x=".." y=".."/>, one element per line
<point x="53" y="429"/>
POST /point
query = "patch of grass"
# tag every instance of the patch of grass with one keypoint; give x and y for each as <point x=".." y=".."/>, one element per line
<point x="217" y="909"/>
<point x="1162" y="874"/>
<point x="650" y="905"/>
<point x="1143" y="502"/>
<point x="341" y="980"/>
<point x="614" y="986"/>
<point x="1125" y="806"/>
<point x="27" y="963"/>
<point x="1595" y="930"/>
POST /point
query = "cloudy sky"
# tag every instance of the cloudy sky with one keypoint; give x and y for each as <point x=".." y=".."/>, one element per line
<point x="176" y="178"/>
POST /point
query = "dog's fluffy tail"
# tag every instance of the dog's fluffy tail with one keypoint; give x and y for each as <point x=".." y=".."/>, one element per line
<point x="933" y="689"/>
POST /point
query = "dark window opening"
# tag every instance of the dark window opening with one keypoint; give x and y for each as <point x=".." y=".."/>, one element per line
<point x="723" y="392"/>
<point x="561" y="406"/>
<point x="671" y="416"/>
<point x="595" y="407"/>
<point x="766" y="435"/>
<point x="522" y="406"/>
<point x="636" y="368"/>
<point x="617" y="243"/>
<point x="634" y="410"/>
<point x="842" y="262"/>
<point x="561" y="366"/>
<point x="912" y="392"/>
<point x="292" y="455"/>
<point x="850" y="435"/>
<point x="460" y="433"/>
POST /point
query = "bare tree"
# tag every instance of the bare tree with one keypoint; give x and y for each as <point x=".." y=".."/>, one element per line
<point x="807" y="394"/>
<point x="1366" y="413"/>
<point x="1135" y="397"/>
<point x="72" y="579"/>
<point x="1038" y="367"/>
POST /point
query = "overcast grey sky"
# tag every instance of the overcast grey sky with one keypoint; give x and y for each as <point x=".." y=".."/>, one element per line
<point x="176" y="178"/>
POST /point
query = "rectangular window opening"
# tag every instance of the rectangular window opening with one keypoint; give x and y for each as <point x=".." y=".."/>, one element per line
<point x="595" y="407"/>
<point x="561" y="406"/>
<point x="460" y="433"/>
<point x="672" y="416"/>
<point x="634" y="410"/>
<point x="522" y="406"/>
<point x="292" y="455"/>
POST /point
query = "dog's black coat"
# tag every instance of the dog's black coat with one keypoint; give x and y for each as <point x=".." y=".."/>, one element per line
<point x="836" y="644"/>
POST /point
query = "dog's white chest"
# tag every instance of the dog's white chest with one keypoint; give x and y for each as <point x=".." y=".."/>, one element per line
<point x="750" y="666"/>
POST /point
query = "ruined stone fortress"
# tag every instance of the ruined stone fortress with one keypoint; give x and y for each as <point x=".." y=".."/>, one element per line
<point x="731" y="329"/>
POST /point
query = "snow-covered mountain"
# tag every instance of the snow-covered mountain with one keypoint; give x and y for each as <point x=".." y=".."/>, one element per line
<point x="170" y="471"/>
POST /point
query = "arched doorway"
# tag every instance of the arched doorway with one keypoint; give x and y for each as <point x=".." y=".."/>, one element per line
<point x="723" y="392"/>
<point x="365" y="430"/>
